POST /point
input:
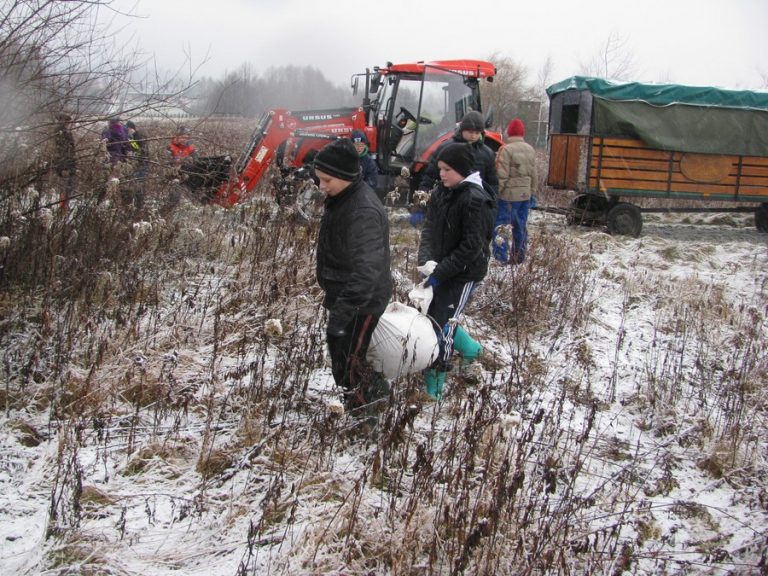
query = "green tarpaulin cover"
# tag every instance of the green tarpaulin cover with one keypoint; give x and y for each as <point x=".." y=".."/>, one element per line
<point x="675" y="117"/>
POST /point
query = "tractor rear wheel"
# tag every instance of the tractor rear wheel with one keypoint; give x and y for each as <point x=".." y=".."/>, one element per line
<point x="625" y="219"/>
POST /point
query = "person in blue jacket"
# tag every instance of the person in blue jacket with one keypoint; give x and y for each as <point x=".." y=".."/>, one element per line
<point x="367" y="164"/>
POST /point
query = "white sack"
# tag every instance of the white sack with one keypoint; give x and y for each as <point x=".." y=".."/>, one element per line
<point x="403" y="342"/>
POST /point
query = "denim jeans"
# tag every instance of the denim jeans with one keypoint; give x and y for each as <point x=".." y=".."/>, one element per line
<point x="516" y="215"/>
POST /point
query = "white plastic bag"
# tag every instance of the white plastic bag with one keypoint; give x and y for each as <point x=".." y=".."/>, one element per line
<point x="421" y="297"/>
<point x="403" y="342"/>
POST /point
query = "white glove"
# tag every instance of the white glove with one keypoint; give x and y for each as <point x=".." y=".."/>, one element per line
<point x="427" y="268"/>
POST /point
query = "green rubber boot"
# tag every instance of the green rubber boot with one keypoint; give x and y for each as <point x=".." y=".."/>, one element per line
<point x="434" y="382"/>
<point x="462" y="342"/>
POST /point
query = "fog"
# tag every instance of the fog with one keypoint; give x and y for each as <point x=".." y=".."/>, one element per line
<point x="705" y="42"/>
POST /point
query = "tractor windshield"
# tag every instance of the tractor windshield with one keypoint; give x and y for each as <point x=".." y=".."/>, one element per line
<point x="419" y="108"/>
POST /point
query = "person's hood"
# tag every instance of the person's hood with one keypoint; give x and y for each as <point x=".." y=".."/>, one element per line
<point x="474" y="178"/>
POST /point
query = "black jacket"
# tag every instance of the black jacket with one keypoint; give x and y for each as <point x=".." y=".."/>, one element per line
<point x="458" y="230"/>
<point x="353" y="262"/>
<point x="485" y="163"/>
<point x="369" y="170"/>
<point x="65" y="154"/>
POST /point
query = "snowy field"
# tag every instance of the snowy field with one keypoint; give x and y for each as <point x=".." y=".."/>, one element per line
<point x="615" y="424"/>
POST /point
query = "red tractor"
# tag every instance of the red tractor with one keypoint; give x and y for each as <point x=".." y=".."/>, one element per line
<point x="407" y="111"/>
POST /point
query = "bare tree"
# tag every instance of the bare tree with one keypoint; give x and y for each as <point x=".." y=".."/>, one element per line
<point x="59" y="57"/>
<point x="507" y="90"/>
<point x="238" y="93"/>
<point x="543" y="80"/>
<point x="53" y="59"/>
<point x="244" y="93"/>
<point x="613" y="60"/>
<point x="297" y="87"/>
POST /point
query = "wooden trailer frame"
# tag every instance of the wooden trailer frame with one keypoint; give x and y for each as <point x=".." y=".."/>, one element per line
<point x="608" y="141"/>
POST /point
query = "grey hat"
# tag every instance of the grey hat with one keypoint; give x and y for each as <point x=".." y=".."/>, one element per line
<point x="472" y="120"/>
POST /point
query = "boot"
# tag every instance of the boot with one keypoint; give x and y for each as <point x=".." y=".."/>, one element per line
<point x="434" y="382"/>
<point x="469" y="348"/>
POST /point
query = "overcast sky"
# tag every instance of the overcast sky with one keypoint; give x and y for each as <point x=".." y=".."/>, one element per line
<point x="700" y="42"/>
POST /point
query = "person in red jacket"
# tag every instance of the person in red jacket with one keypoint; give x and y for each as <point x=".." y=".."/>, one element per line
<point x="181" y="148"/>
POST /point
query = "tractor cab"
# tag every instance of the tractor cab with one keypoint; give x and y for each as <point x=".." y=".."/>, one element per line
<point x="411" y="108"/>
<point x="407" y="111"/>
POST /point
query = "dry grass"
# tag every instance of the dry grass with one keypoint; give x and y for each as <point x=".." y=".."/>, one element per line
<point x="148" y="352"/>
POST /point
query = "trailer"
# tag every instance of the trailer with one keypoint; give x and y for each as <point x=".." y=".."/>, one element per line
<point x="613" y="142"/>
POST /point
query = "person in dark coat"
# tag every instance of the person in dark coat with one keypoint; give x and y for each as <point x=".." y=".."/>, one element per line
<point x="368" y="167"/>
<point x="134" y="194"/>
<point x="471" y="131"/>
<point x="139" y="149"/>
<point x="353" y="269"/>
<point x="65" y="158"/>
<point x="456" y="238"/>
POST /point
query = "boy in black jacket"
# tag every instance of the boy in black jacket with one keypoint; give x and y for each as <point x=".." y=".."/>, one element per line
<point x="353" y="268"/>
<point x="471" y="131"/>
<point x="456" y="236"/>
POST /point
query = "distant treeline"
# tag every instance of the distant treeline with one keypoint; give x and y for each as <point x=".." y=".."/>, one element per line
<point x="245" y="93"/>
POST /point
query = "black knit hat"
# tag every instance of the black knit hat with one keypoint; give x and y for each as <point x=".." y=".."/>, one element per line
<point x="459" y="157"/>
<point x="472" y="120"/>
<point x="339" y="159"/>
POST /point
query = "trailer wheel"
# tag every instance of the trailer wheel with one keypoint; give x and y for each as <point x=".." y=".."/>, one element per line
<point x="761" y="217"/>
<point x="625" y="219"/>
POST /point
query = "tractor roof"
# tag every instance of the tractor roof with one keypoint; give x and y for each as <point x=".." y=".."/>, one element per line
<point x="471" y="68"/>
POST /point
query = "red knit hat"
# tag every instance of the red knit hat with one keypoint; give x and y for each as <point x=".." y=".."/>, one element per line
<point x="516" y="128"/>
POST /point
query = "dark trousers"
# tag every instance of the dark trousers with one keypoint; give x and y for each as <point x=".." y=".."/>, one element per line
<point x="351" y="370"/>
<point x="67" y="191"/>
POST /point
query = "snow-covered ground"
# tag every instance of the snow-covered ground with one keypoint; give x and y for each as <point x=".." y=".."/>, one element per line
<point x="617" y="422"/>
